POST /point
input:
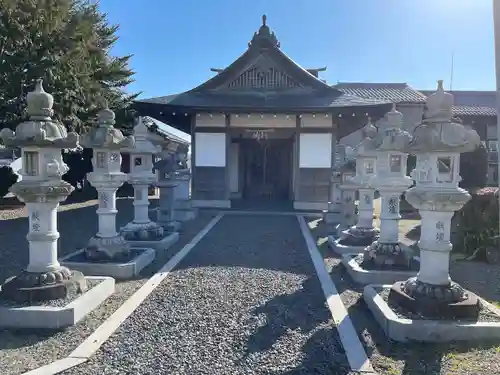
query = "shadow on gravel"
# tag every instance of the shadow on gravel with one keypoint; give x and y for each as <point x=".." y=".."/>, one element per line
<point x="24" y="338"/>
<point x="300" y="311"/>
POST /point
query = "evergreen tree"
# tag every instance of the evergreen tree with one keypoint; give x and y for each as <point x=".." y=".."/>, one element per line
<point x="67" y="43"/>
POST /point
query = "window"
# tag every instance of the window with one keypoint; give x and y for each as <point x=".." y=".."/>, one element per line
<point x="493" y="146"/>
<point x="395" y="163"/>
<point x="137" y="162"/>
<point x="369" y="169"/>
<point x="445" y="169"/>
<point x="31" y="163"/>
<point x="100" y="159"/>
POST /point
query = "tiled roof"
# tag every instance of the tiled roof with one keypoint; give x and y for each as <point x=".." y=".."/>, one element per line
<point x="473" y="110"/>
<point x="473" y="98"/>
<point x="394" y="92"/>
<point x="472" y="103"/>
<point x="272" y="101"/>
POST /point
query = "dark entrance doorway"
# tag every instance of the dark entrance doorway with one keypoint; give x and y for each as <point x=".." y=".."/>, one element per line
<point x="267" y="169"/>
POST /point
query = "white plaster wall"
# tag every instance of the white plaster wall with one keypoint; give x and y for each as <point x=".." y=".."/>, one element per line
<point x="412" y="115"/>
<point x="210" y="150"/>
<point x="234" y="153"/>
<point x="257" y="120"/>
<point x="316" y="121"/>
<point x="215" y="119"/>
<point x="491" y="132"/>
<point x="315" y="150"/>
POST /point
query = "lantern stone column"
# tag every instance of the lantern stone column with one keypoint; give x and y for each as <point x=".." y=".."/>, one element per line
<point x="357" y="237"/>
<point x="41" y="140"/>
<point x="183" y="208"/>
<point x="390" y="181"/>
<point x="349" y="216"/>
<point x="106" y="142"/>
<point x="437" y="143"/>
<point x="169" y="171"/>
<point x="332" y="215"/>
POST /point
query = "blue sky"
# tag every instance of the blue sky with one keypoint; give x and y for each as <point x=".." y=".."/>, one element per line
<point x="176" y="42"/>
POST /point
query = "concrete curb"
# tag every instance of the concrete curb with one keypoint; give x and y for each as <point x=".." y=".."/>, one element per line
<point x="354" y="350"/>
<point x="48" y="317"/>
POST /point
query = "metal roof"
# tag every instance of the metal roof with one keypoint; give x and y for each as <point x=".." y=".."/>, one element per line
<point x="167" y="130"/>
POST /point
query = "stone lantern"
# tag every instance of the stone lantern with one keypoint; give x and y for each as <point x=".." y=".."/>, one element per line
<point x="437" y="144"/>
<point x="172" y="168"/>
<point x="106" y="177"/>
<point x="183" y="208"/>
<point x="333" y="215"/>
<point x="390" y="180"/>
<point x="141" y="230"/>
<point x="357" y="237"/>
<point x="41" y="140"/>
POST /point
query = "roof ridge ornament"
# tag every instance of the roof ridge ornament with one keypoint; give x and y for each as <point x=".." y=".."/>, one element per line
<point x="394" y="118"/>
<point x="439" y="131"/>
<point x="264" y="34"/>
<point x="439" y="105"/>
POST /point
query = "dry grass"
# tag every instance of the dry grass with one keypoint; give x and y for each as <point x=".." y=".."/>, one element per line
<point x="391" y="358"/>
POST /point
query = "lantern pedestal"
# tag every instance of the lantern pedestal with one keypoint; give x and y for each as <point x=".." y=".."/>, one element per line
<point x="107" y="244"/>
<point x="348" y="213"/>
<point x="166" y="209"/>
<point x="34" y="298"/>
<point x="44" y="278"/>
<point x="142" y="232"/>
<point x="108" y="253"/>
<point x="358" y="237"/>
<point x="183" y="208"/>
<point x="333" y="215"/>
<point x="386" y="260"/>
<point x="430" y="306"/>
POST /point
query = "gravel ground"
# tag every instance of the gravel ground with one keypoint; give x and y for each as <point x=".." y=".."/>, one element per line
<point x="391" y="358"/>
<point x="246" y="300"/>
<point x="21" y="351"/>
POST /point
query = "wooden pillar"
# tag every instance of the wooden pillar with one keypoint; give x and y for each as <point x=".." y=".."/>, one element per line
<point x="193" y="156"/>
<point x="227" y="172"/>
<point x="296" y="156"/>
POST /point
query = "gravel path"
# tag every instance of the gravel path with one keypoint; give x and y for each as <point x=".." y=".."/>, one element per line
<point x="21" y="351"/>
<point x="391" y="358"/>
<point x="246" y="300"/>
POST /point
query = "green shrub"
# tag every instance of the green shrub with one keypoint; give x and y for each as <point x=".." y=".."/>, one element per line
<point x="474" y="168"/>
<point x="7" y="179"/>
<point x="477" y="222"/>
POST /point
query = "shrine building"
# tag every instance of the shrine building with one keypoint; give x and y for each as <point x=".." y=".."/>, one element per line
<point x="263" y="129"/>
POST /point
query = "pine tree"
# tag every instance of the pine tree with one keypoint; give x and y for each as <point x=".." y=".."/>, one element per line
<point x="67" y="43"/>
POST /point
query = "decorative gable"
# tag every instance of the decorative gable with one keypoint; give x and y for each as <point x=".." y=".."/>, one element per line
<point x="263" y="74"/>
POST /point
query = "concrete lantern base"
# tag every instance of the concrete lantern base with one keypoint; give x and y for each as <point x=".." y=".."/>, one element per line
<point x="424" y="330"/>
<point x="365" y="277"/>
<point x="184" y="210"/>
<point x="334" y="244"/>
<point x="159" y="245"/>
<point x="332" y="217"/>
<point x="118" y="270"/>
<point x="50" y="317"/>
<point x="353" y="240"/>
